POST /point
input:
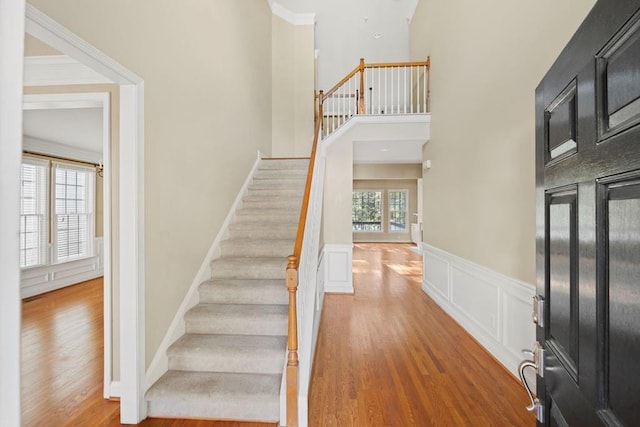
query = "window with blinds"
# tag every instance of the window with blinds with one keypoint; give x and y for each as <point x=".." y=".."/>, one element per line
<point x="34" y="224"/>
<point x="56" y="212"/>
<point x="72" y="219"/>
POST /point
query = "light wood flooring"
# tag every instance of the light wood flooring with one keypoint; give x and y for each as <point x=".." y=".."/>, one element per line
<point x="387" y="356"/>
<point x="62" y="363"/>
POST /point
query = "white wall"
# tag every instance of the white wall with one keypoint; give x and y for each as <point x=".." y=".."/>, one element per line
<point x="343" y="36"/>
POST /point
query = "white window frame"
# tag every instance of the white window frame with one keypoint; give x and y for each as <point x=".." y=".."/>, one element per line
<point x="43" y="208"/>
<point x="89" y="202"/>
<point x="407" y="227"/>
<point x="382" y="210"/>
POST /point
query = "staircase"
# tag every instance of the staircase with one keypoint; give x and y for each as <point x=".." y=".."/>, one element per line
<point x="228" y="364"/>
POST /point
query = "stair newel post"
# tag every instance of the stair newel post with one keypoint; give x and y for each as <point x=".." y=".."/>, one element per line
<point x="361" y="96"/>
<point x="292" y="357"/>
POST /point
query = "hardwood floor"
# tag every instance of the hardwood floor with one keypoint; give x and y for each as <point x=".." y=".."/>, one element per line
<point x="62" y="363"/>
<point x="389" y="356"/>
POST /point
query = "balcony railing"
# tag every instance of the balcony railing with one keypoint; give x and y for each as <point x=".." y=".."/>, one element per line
<point x="375" y="89"/>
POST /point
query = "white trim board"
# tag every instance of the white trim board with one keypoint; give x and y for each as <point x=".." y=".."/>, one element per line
<point x="493" y="308"/>
<point x="337" y="265"/>
<point x="11" y="84"/>
<point x="377" y="119"/>
<point x="131" y="236"/>
<point x="160" y="363"/>
<point x="58" y="70"/>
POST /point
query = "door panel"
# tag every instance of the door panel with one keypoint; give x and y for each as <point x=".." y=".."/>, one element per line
<point x="588" y="223"/>
<point x="620" y="213"/>
<point x="562" y="292"/>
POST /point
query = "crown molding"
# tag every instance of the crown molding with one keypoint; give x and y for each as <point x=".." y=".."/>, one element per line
<point x="55" y="70"/>
<point x="291" y="17"/>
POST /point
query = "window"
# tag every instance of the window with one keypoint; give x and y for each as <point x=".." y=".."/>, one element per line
<point x="61" y="213"/>
<point x="72" y="211"/>
<point x="367" y="211"/>
<point x="34" y="228"/>
<point x="397" y="210"/>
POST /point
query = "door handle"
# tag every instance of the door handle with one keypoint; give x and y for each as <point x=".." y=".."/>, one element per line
<point x="536" y="364"/>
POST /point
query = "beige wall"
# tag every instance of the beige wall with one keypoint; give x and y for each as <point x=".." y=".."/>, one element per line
<point x="487" y="59"/>
<point x="207" y="79"/>
<point x="114" y="100"/>
<point x="338" y="187"/>
<point x="34" y="47"/>
<point x="292" y="74"/>
<point x="385" y="185"/>
<point x="387" y="171"/>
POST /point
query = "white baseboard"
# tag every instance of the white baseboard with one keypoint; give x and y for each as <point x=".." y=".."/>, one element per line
<point x="493" y="308"/>
<point x="114" y="389"/>
<point x="160" y="363"/>
<point x="337" y="264"/>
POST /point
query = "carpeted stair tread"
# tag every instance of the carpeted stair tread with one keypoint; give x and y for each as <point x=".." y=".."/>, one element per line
<point x="267" y="216"/>
<point x="258" y="354"/>
<point x="300" y="163"/>
<point x="256" y="248"/>
<point x="237" y="319"/>
<point x="254" y="230"/>
<point x="228" y="364"/>
<point x="261" y="193"/>
<point x="238" y="267"/>
<point x="237" y="291"/>
<point x="216" y="395"/>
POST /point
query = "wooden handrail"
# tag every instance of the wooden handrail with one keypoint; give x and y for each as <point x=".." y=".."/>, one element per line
<point x="293" y="262"/>
<point x="398" y="64"/>
<point x="340" y="83"/>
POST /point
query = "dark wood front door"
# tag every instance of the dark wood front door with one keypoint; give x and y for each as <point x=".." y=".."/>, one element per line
<point x="588" y="223"/>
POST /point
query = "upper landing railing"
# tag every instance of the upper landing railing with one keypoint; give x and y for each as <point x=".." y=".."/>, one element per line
<point x="389" y="88"/>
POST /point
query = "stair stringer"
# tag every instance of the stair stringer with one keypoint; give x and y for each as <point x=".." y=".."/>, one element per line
<point x="160" y="362"/>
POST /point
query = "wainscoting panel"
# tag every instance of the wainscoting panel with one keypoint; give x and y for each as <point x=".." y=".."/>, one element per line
<point x="493" y="308"/>
<point x="338" y="260"/>
<point x="436" y="274"/>
<point x="477" y="298"/>
<point x="38" y="280"/>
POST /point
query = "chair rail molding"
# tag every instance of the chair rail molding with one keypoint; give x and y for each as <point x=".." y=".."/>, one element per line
<point x="495" y="309"/>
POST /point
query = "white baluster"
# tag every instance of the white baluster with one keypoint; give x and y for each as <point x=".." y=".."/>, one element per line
<point x="404" y="101"/>
<point x="424" y="87"/>
<point x="411" y="88"/>
<point x="385" y="89"/>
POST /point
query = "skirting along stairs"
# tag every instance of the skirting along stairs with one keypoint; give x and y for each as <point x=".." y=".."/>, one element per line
<point x="228" y="364"/>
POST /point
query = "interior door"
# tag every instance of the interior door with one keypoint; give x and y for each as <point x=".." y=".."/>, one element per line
<point x="588" y="224"/>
